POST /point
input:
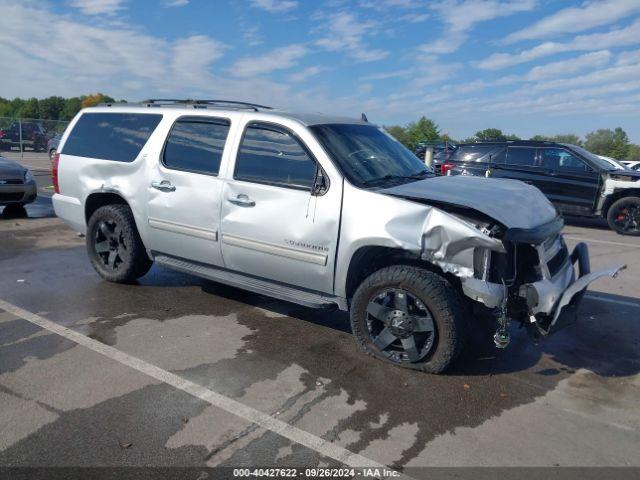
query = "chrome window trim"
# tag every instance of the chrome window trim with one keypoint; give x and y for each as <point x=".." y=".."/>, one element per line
<point x="274" y="249"/>
<point x="183" y="229"/>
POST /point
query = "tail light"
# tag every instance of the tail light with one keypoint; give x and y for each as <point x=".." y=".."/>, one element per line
<point x="445" y="167"/>
<point x="1" y="133"/>
<point x="54" y="172"/>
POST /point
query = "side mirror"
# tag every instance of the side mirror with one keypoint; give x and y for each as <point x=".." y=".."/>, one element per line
<point x="320" y="184"/>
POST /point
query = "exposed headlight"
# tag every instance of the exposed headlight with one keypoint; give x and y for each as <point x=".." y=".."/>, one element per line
<point x="28" y="176"/>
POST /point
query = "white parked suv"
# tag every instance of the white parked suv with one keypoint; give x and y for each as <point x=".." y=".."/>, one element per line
<point x="321" y="211"/>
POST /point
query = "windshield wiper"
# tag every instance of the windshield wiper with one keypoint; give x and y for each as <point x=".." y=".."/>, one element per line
<point x="414" y="176"/>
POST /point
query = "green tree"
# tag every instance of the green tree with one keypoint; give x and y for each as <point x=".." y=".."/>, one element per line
<point x="424" y="130"/>
<point x="560" y="138"/>
<point x="51" y="107"/>
<point x="399" y="133"/>
<point x="71" y="107"/>
<point x="620" y="148"/>
<point x="490" y="135"/>
<point x="633" y="153"/>
<point x="611" y="143"/>
<point x="30" y="109"/>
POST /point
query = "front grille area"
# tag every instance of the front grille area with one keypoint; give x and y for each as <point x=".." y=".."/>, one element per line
<point x="11" y="197"/>
<point x="555" y="264"/>
<point x="555" y="254"/>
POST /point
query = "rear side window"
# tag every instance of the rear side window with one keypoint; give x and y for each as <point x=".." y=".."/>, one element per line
<point x="524" y="157"/>
<point x="559" y="159"/>
<point x="111" y="136"/>
<point x="272" y="156"/>
<point x="476" y="153"/>
<point x="196" y="145"/>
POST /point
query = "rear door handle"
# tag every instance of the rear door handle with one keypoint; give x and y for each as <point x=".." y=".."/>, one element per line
<point x="242" y="200"/>
<point x="163" y="186"/>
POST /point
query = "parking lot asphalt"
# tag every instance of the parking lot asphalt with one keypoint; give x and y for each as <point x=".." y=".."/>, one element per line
<point x="176" y="370"/>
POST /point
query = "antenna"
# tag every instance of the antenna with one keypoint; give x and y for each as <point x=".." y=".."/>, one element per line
<point x="363" y="117"/>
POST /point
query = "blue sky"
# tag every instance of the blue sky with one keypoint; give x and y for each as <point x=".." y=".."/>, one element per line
<point x="525" y="66"/>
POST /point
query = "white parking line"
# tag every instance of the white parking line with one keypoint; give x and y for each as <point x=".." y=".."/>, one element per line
<point x="313" y="442"/>
<point x="606" y="242"/>
<point x="612" y="300"/>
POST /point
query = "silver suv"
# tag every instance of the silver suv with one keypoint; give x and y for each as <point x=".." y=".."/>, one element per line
<point x="321" y="211"/>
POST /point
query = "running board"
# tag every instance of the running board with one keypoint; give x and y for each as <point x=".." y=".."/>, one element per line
<point x="253" y="284"/>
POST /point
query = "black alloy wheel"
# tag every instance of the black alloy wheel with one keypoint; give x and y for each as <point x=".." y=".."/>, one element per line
<point x="109" y="244"/>
<point x="624" y="216"/>
<point x="400" y="326"/>
<point x="115" y="248"/>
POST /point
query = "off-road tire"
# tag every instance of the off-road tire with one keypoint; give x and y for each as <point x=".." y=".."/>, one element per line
<point x="436" y="293"/>
<point x="614" y="210"/>
<point x="134" y="261"/>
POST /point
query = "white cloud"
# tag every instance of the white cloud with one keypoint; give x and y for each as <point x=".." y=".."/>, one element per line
<point x="415" y="18"/>
<point x="275" y="6"/>
<point x="81" y="58"/>
<point x="460" y="16"/>
<point x="176" y="3"/>
<point x="387" y="75"/>
<point x="577" y="19"/>
<point x="628" y="57"/>
<point x="279" y="59"/>
<point x="569" y="66"/>
<point x="629" y="35"/>
<point x="305" y="74"/>
<point x="343" y="31"/>
<point x="383" y="5"/>
<point x="252" y="36"/>
<point x="618" y="73"/>
<point x="98" y="7"/>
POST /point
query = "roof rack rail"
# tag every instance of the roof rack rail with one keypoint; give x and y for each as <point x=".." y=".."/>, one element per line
<point x="205" y="103"/>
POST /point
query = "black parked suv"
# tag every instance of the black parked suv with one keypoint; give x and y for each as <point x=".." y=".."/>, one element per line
<point x="578" y="182"/>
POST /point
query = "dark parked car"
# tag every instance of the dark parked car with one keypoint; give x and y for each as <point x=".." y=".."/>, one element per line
<point x="441" y="152"/>
<point x="17" y="185"/>
<point x="578" y="182"/>
<point x="52" y="145"/>
<point x="34" y="136"/>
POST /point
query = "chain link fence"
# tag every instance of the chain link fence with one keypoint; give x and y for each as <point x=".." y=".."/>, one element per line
<point x="30" y="141"/>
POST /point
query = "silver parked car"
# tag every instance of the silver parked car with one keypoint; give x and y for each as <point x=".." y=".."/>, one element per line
<point x="321" y="211"/>
<point x="17" y="185"/>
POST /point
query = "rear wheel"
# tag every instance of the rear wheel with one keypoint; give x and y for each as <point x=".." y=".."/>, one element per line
<point x="624" y="216"/>
<point x="114" y="245"/>
<point x="410" y="317"/>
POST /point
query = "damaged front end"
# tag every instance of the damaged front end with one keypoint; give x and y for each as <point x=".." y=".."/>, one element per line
<point x="534" y="280"/>
<point x="502" y="240"/>
<point x="525" y="275"/>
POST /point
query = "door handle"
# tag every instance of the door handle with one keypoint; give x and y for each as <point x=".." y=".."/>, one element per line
<point x="242" y="200"/>
<point x="163" y="186"/>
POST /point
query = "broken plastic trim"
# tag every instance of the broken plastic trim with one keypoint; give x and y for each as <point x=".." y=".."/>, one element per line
<point x="566" y="311"/>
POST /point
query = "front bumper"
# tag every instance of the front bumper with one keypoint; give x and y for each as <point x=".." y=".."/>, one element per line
<point x="18" y="193"/>
<point x="553" y="303"/>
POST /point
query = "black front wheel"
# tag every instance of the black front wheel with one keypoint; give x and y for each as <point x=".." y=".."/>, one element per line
<point x="410" y="317"/>
<point x="624" y="216"/>
<point x="114" y="245"/>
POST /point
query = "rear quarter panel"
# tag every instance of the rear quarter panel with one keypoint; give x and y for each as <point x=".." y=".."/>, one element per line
<point x="79" y="177"/>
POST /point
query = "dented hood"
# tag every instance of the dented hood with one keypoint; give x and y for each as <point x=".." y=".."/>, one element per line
<point x="511" y="202"/>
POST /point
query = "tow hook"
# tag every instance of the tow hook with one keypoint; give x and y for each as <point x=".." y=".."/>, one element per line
<point x="501" y="338"/>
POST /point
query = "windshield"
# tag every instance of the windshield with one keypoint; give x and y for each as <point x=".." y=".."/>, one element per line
<point x="368" y="156"/>
<point x="596" y="160"/>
